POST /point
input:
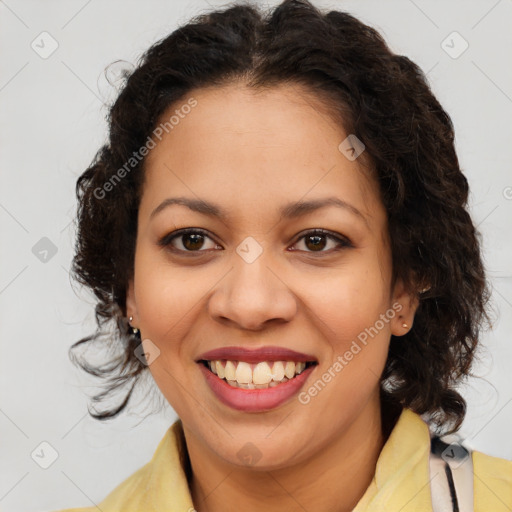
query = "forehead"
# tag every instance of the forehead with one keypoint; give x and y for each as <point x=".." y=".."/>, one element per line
<point x="255" y="148"/>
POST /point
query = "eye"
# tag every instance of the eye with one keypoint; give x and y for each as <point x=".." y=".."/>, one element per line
<point x="186" y="240"/>
<point x="316" y="241"/>
<point x="193" y="240"/>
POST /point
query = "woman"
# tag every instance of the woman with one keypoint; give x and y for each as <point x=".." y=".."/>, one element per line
<point x="278" y="227"/>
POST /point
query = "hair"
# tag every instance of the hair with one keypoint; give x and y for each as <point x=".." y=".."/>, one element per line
<point x="384" y="99"/>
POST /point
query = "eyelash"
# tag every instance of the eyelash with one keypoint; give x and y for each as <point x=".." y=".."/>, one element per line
<point x="166" y="241"/>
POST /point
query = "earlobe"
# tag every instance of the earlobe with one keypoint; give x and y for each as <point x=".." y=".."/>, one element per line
<point x="403" y="321"/>
<point x="131" y="308"/>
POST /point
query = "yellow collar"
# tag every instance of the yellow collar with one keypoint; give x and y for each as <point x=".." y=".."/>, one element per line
<point x="401" y="481"/>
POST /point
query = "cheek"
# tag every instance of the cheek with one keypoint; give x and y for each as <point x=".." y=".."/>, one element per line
<point x="356" y="342"/>
<point x="355" y="315"/>
<point x="351" y="297"/>
<point x="165" y="297"/>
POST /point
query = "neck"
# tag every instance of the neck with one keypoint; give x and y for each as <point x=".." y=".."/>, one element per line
<point x="345" y="467"/>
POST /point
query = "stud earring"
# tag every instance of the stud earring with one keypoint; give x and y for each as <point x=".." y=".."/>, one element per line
<point x="134" y="329"/>
<point x="404" y="325"/>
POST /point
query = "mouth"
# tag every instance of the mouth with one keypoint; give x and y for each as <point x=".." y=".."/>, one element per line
<point x="261" y="375"/>
<point x="255" y="380"/>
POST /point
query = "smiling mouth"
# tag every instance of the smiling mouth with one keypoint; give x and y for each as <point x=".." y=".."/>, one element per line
<point x="262" y="375"/>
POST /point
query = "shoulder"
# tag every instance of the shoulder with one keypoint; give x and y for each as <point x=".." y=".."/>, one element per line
<point x="158" y="486"/>
<point x="131" y="490"/>
<point x="492" y="482"/>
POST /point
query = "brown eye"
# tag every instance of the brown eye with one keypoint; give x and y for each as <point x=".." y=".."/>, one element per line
<point x="315" y="242"/>
<point x="192" y="241"/>
<point x="318" y="240"/>
<point x="189" y="240"/>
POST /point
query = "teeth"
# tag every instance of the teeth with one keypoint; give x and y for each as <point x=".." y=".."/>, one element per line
<point x="220" y="369"/>
<point x="289" y="369"/>
<point x="278" y="371"/>
<point x="229" y="371"/>
<point x="250" y="385"/>
<point x="262" y="375"/>
<point x="244" y="373"/>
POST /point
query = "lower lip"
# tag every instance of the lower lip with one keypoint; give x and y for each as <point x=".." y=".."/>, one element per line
<point x="254" y="400"/>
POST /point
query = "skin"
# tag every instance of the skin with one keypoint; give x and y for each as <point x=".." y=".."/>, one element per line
<point x="251" y="153"/>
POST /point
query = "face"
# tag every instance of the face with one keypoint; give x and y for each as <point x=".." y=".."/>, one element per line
<point x="256" y="280"/>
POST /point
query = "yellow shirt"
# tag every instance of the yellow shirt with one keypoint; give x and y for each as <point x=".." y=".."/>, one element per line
<point x="401" y="481"/>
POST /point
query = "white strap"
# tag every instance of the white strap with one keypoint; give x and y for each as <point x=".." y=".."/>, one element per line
<point x="460" y="463"/>
<point x="440" y="490"/>
<point x="462" y="471"/>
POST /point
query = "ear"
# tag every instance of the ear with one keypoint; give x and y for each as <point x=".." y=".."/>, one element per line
<point x="131" y="307"/>
<point x="405" y="304"/>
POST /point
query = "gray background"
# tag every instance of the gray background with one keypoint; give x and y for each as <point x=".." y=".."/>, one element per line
<point x="51" y="125"/>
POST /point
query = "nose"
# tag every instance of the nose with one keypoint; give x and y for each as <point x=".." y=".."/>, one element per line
<point x="252" y="296"/>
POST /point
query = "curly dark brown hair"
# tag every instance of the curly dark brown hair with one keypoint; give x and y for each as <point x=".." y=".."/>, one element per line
<point x="382" y="97"/>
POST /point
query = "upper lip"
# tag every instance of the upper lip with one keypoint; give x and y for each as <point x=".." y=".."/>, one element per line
<point x="255" y="355"/>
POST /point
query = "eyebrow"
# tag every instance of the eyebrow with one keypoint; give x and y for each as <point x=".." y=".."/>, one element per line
<point x="288" y="211"/>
